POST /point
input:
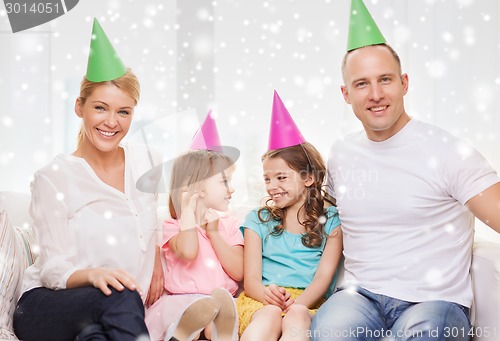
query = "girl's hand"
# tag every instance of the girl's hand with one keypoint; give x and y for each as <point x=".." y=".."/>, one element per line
<point x="119" y="279"/>
<point x="288" y="302"/>
<point x="275" y="295"/>
<point x="211" y="221"/>
<point x="188" y="208"/>
<point x="188" y="199"/>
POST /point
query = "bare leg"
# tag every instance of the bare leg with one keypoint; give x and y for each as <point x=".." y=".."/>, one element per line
<point x="265" y="325"/>
<point x="208" y="331"/>
<point x="296" y="323"/>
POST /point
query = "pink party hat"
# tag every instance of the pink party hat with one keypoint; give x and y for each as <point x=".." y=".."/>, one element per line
<point x="206" y="138"/>
<point x="284" y="132"/>
<point x="207" y="135"/>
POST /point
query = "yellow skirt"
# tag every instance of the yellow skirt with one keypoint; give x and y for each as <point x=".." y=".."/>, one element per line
<point x="248" y="306"/>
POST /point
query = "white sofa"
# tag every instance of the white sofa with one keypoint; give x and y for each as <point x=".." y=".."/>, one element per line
<point x="15" y="254"/>
<point x="485" y="271"/>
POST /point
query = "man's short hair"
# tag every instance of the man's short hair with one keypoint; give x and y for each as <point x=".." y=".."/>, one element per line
<point x="393" y="52"/>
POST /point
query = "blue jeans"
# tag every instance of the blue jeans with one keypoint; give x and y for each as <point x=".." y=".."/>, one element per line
<point x="79" y="314"/>
<point x="355" y="313"/>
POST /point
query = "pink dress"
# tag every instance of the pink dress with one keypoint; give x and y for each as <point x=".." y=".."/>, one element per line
<point x="187" y="281"/>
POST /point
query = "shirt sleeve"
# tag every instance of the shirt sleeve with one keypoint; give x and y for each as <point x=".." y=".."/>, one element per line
<point x="171" y="227"/>
<point x="253" y="223"/>
<point x="232" y="227"/>
<point x="58" y="257"/>
<point x="467" y="173"/>
<point x="330" y="189"/>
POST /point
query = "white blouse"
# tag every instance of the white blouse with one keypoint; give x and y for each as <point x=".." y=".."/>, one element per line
<point x="81" y="222"/>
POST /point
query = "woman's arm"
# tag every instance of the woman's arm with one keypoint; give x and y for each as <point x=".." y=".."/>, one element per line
<point x="57" y="248"/>
<point x="61" y="266"/>
<point x="325" y="272"/>
<point x="157" y="285"/>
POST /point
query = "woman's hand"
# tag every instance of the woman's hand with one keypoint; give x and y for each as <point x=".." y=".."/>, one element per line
<point x="157" y="281"/>
<point x="103" y="278"/>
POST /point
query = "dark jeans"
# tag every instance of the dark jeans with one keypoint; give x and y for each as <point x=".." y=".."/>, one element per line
<point x="79" y="314"/>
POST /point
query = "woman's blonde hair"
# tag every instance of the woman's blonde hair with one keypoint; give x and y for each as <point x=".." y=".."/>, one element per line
<point x="190" y="170"/>
<point x="128" y="83"/>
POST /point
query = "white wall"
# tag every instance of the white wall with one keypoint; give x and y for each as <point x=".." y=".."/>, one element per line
<point x="230" y="55"/>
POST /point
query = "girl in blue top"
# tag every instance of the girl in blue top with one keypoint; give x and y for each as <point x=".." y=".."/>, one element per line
<point x="292" y="248"/>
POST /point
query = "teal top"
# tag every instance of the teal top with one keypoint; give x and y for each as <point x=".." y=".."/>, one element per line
<point x="285" y="260"/>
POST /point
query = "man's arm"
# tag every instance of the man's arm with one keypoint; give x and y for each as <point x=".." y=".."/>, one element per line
<point x="486" y="206"/>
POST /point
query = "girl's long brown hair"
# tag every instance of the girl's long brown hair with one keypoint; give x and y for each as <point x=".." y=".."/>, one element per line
<point x="307" y="161"/>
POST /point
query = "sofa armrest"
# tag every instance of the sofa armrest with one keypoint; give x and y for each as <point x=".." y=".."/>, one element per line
<point x="485" y="315"/>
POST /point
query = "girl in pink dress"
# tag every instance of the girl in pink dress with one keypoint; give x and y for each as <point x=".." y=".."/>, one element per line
<point x="203" y="251"/>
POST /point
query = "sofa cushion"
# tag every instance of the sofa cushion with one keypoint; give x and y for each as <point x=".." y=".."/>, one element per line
<point x="486" y="285"/>
<point x="15" y="257"/>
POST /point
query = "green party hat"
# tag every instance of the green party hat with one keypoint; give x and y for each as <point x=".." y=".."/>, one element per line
<point x="363" y="30"/>
<point x="104" y="64"/>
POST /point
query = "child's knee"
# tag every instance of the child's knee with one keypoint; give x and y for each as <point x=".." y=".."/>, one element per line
<point x="298" y="312"/>
<point x="268" y="312"/>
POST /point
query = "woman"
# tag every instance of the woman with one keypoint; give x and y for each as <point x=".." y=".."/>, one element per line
<point x="95" y="230"/>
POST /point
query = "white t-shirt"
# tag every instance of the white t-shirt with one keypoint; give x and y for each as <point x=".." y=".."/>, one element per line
<point x="81" y="222"/>
<point x="401" y="201"/>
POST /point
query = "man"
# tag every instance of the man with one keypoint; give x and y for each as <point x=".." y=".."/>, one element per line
<point x="407" y="193"/>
